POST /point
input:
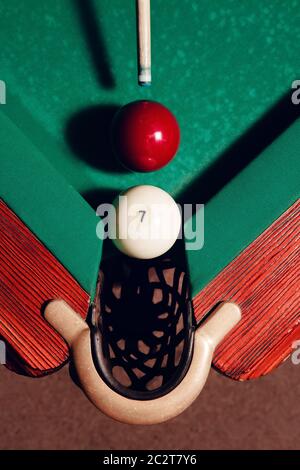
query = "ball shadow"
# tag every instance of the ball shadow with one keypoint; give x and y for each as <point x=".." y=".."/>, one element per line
<point x="97" y="196"/>
<point x="88" y="132"/>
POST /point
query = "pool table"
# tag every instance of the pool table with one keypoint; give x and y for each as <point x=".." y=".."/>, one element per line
<point x="225" y="69"/>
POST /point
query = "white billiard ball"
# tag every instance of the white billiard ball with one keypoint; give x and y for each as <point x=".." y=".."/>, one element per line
<point x="147" y="222"/>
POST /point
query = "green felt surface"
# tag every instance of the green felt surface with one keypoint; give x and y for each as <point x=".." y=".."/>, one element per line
<point x="218" y="64"/>
<point x="55" y="212"/>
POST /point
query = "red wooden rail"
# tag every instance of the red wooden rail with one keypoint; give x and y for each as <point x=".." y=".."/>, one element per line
<point x="265" y="281"/>
<point x="29" y="275"/>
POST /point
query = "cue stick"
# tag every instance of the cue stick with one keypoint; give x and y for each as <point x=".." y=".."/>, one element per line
<point x="144" y="42"/>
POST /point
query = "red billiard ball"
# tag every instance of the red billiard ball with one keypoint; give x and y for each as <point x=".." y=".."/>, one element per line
<point x="145" y="135"/>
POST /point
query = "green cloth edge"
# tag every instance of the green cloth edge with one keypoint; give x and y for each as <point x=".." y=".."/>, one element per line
<point x="246" y="206"/>
<point x="48" y="205"/>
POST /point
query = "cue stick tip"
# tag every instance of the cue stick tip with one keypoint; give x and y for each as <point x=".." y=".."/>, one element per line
<point x="145" y="76"/>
